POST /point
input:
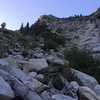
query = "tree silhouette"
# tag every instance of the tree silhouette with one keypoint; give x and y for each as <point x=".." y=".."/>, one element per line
<point x="22" y="28"/>
<point x="3" y="25"/>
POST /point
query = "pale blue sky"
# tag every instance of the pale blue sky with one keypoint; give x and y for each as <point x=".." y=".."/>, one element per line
<point x="14" y="12"/>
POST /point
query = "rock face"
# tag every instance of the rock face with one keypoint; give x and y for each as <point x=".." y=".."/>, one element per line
<point x="82" y="31"/>
<point x="84" y="79"/>
<point x="6" y="93"/>
<point x="86" y="93"/>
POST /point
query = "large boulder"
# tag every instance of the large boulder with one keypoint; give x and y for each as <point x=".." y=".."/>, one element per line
<point x="35" y="85"/>
<point x="32" y="64"/>
<point x="62" y="97"/>
<point x="26" y="66"/>
<point x="32" y="84"/>
<point x="97" y="89"/>
<point x="54" y="60"/>
<point x="84" y="79"/>
<point x="39" y="63"/>
<point x="19" y="87"/>
<point x="85" y="93"/>
<point x="6" y="93"/>
<point x="19" y="74"/>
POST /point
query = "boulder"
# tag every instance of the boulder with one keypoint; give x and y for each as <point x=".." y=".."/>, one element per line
<point x="20" y="57"/>
<point x="19" y="88"/>
<point x="38" y="55"/>
<point x="54" y="60"/>
<point x="40" y="77"/>
<point x="3" y="62"/>
<point x="85" y="93"/>
<point x="97" y="89"/>
<point x="38" y="50"/>
<point x="62" y="97"/>
<point x="32" y="84"/>
<point x="54" y="91"/>
<point x="31" y="75"/>
<point x="6" y="93"/>
<point x="11" y="61"/>
<point x="32" y="65"/>
<point x="19" y="74"/>
<point x="84" y="79"/>
<point x="75" y="85"/>
<point x="46" y="95"/>
<point x="26" y="66"/>
<point x="39" y="63"/>
<point x="35" y="85"/>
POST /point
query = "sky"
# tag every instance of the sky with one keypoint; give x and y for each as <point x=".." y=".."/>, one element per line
<point x="15" y="12"/>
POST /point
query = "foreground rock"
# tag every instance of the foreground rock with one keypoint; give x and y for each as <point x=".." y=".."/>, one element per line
<point x="84" y="79"/>
<point x="32" y="84"/>
<point x="19" y="88"/>
<point x="86" y="93"/>
<point x="6" y="93"/>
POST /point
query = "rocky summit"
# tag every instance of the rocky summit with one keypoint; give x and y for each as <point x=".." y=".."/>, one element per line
<point x="54" y="59"/>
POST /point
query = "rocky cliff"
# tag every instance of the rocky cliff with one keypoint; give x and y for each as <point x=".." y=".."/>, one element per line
<point x="81" y="31"/>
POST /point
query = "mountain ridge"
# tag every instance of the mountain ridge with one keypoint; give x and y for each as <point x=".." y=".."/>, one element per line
<point x="81" y="30"/>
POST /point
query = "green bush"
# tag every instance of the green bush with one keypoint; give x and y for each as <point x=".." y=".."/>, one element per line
<point x="81" y="60"/>
<point x="28" y="42"/>
<point x="52" y="40"/>
<point x="50" y="44"/>
<point x="57" y="83"/>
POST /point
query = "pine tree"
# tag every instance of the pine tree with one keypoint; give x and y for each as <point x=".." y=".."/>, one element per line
<point x="22" y="28"/>
<point x="27" y="28"/>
